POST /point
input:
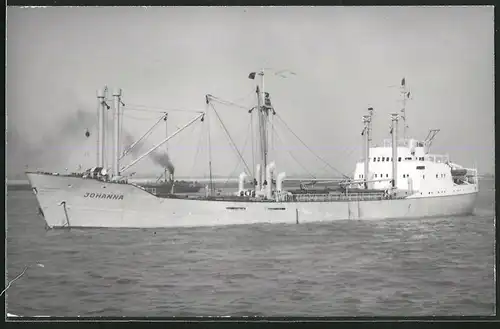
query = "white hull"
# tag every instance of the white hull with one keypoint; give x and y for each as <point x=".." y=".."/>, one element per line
<point x="72" y="202"/>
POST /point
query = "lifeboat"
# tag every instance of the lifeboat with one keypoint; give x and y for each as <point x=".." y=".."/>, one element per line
<point x="458" y="172"/>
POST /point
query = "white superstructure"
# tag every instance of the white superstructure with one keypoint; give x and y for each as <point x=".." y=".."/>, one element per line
<point x="426" y="185"/>
<point x="419" y="173"/>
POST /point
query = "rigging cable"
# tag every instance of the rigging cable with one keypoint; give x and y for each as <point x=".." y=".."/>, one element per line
<point x="234" y="145"/>
<point x="224" y="102"/>
<point x="197" y="149"/>
<point x="142" y="108"/>
<point x="143" y="138"/>
<point x="239" y="161"/>
<point x="138" y="118"/>
<point x="293" y="157"/>
<point x="317" y="156"/>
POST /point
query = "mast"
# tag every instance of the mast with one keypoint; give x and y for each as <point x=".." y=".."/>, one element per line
<point x="166" y="144"/>
<point x="101" y="128"/>
<point x="116" y="141"/>
<point x="405" y="96"/>
<point x="106" y="135"/>
<point x="207" y="101"/>
<point x="365" y="133"/>
<point x="263" y="115"/>
<point x="394" y="133"/>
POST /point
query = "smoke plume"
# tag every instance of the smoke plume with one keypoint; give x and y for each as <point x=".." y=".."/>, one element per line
<point x="161" y="159"/>
<point x="52" y="149"/>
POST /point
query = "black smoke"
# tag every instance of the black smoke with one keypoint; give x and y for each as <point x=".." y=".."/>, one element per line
<point x="161" y="159"/>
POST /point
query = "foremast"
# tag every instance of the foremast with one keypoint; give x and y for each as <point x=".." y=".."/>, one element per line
<point x="263" y="120"/>
<point x="367" y="120"/>
<point x="263" y="177"/>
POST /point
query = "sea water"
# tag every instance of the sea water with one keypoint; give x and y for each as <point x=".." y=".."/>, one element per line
<point x="439" y="266"/>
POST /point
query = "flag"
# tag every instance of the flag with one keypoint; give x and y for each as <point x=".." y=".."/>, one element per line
<point x="403" y="82"/>
<point x="251" y="75"/>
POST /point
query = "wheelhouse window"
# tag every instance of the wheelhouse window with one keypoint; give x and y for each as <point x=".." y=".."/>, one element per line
<point x="399" y="159"/>
<point x="383" y="159"/>
<point x="387" y="159"/>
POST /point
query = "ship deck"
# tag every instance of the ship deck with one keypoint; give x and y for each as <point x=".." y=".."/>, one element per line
<point x="289" y="198"/>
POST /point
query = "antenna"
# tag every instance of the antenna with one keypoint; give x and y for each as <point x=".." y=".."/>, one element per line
<point x="430" y="137"/>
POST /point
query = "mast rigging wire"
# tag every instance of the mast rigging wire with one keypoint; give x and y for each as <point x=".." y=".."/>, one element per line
<point x="317" y="156"/>
<point x="239" y="161"/>
<point x="233" y="144"/>
<point x="293" y="157"/>
<point x="197" y="149"/>
<point x="142" y="108"/>
<point x="224" y="102"/>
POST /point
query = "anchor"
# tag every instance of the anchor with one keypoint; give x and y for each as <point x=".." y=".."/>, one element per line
<point x="63" y="203"/>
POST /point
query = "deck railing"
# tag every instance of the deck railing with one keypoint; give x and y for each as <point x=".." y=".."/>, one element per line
<point x="334" y="197"/>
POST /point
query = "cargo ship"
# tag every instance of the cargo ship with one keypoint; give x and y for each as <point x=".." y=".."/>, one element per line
<point x="400" y="178"/>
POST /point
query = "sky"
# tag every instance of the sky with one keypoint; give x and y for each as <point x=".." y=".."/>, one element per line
<point x="343" y="59"/>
